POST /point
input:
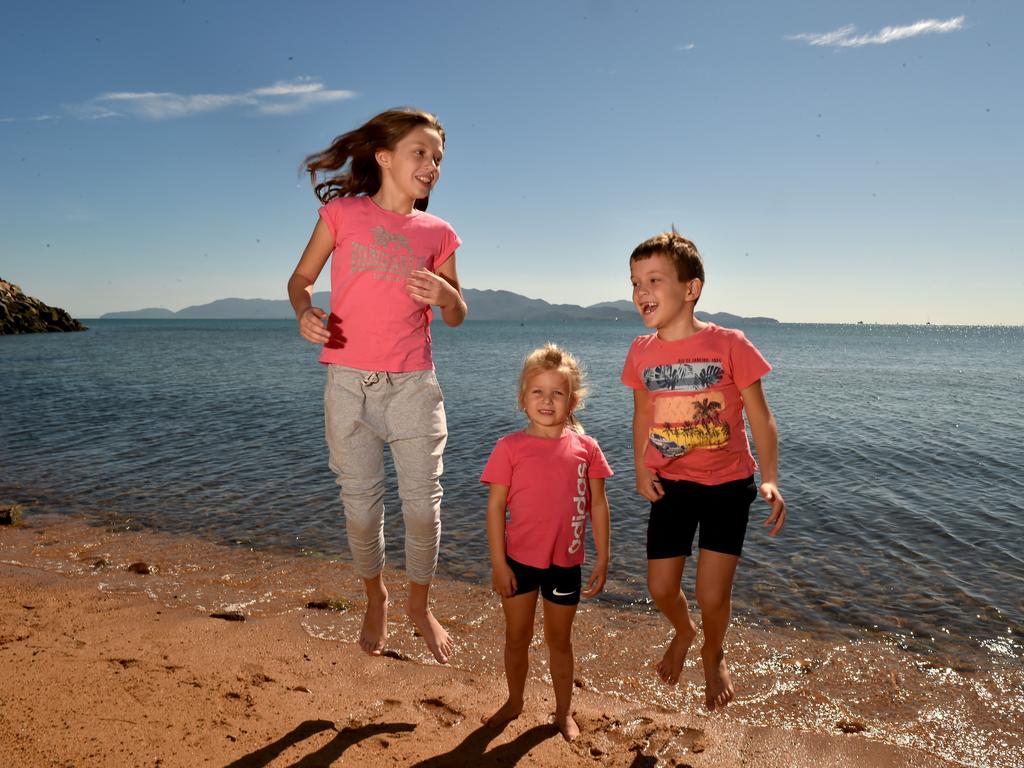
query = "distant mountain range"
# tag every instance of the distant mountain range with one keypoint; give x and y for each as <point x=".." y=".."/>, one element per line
<point x="483" y="305"/>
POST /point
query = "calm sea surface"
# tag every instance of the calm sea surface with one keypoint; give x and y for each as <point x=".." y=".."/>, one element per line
<point x="902" y="449"/>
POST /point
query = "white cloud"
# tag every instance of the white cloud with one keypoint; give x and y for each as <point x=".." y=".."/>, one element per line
<point x="826" y="38"/>
<point x="846" y="37"/>
<point x="287" y="89"/>
<point x="36" y="119"/>
<point x="277" y="99"/>
<point x="161" y="106"/>
<point x="298" y="100"/>
<point x="686" y="46"/>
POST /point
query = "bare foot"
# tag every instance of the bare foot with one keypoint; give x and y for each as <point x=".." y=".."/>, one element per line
<point x="503" y="716"/>
<point x="567" y="725"/>
<point x="374" y="632"/>
<point x="718" y="690"/>
<point x="672" y="662"/>
<point x="438" y="640"/>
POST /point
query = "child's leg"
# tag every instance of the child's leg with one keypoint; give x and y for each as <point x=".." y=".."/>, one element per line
<point x="373" y="633"/>
<point x="357" y="459"/>
<point x="723" y="526"/>
<point x="417" y="464"/>
<point x="715" y="572"/>
<point x="417" y="435"/>
<point x="519" y="616"/>
<point x="558" y="636"/>
<point x="663" y="582"/>
<point x="434" y="635"/>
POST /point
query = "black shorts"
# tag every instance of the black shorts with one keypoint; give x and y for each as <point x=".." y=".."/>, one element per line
<point x="557" y="584"/>
<point x="719" y="511"/>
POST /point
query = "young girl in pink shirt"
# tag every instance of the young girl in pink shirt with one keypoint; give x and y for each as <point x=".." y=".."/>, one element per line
<point x="392" y="263"/>
<point x="544" y="483"/>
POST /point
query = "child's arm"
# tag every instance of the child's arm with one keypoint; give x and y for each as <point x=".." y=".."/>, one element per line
<point x="647" y="483"/>
<point x="441" y="289"/>
<point x="766" y="441"/>
<point x="502" y="578"/>
<point x="600" y="521"/>
<point x="300" y="284"/>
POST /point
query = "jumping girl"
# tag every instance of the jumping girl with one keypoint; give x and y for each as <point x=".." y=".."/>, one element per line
<point x="392" y="263"/>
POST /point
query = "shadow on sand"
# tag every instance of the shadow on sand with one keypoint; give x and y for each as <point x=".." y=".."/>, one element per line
<point x="473" y="749"/>
<point x="324" y="756"/>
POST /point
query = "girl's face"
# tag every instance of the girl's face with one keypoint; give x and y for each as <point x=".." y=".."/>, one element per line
<point x="413" y="167"/>
<point x="547" y="400"/>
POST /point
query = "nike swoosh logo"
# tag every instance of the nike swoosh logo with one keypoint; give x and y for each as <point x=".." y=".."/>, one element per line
<point x="562" y="594"/>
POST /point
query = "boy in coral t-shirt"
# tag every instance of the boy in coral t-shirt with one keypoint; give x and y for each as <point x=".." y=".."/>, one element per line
<point x="692" y="382"/>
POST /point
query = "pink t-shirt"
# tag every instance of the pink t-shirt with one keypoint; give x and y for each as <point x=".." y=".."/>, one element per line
<point x="548" y="494"/>
<point x="374" y="324"/>
<point x="697" y="431"/>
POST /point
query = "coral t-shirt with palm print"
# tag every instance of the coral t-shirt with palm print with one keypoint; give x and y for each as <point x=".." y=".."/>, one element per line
<point x="697" y="431"/>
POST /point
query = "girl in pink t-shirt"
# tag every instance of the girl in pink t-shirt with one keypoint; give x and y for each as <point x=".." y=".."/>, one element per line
<point x="544" y="483"/>
<point x="392" y="263"/>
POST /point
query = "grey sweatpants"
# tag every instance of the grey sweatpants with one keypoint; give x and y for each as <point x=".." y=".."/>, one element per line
<point x="362" y="411"/>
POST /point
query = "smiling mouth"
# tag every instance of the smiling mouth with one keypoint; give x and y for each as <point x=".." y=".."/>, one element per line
<point x="648" y="307"/>
<point x="428" y="180"/>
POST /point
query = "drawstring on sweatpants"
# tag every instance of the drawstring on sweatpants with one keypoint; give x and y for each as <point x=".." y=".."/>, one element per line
<point x="373" y="377"/>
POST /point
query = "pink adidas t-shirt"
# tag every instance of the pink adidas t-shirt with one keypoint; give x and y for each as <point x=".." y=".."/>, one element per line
<point x="697" y="431"/>
<point x="374" y="324"/>
<point x="548" y="494"/>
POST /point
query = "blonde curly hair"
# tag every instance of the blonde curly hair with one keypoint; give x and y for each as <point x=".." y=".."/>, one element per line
<point x="551" y="357"/>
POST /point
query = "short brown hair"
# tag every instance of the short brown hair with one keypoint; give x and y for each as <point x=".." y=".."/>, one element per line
<point x="677" y="249"/>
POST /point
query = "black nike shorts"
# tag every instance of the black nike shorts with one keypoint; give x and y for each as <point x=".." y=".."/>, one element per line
<point x="557" y="584"/>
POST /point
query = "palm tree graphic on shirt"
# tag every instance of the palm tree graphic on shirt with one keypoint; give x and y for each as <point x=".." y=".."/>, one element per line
<point x="687" y="415"/>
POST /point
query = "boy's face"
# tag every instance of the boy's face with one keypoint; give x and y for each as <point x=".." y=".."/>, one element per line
<point x="660" y="296"/>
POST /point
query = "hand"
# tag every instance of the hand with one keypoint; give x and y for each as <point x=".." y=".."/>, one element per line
<point x="770" y="493"/>
<point x="598" y="576"/>
<point x="311" y="325"/>
<point x="648" y="484"/>
<point x="427" y="288"/>
<point x="503" y="580"/>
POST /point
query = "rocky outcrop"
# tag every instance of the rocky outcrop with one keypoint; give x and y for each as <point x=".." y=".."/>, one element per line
<point x="23" y="314"/>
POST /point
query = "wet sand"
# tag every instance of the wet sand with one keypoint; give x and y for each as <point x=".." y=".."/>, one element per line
<point x="104" y="666"/>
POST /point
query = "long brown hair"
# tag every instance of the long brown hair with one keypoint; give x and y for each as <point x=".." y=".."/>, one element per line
<point x="551" y="357"/>
<point x="353" y="154"/>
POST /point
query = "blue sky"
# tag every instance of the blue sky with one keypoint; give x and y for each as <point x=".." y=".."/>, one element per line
<point x="833" y="161"/>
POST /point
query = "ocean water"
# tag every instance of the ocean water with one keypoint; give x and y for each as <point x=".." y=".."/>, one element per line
<point x="901" y="451"/>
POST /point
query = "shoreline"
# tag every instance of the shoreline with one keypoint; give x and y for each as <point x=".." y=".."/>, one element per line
<point x="93" y="645"/>
<point x="620" y="594"/>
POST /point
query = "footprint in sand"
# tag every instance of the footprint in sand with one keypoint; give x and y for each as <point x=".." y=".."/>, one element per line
<point x="645" y="737"/>
<point x="444" y="712"/>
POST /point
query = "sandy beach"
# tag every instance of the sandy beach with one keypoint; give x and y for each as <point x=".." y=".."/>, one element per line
<point x="107" y="666"/>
